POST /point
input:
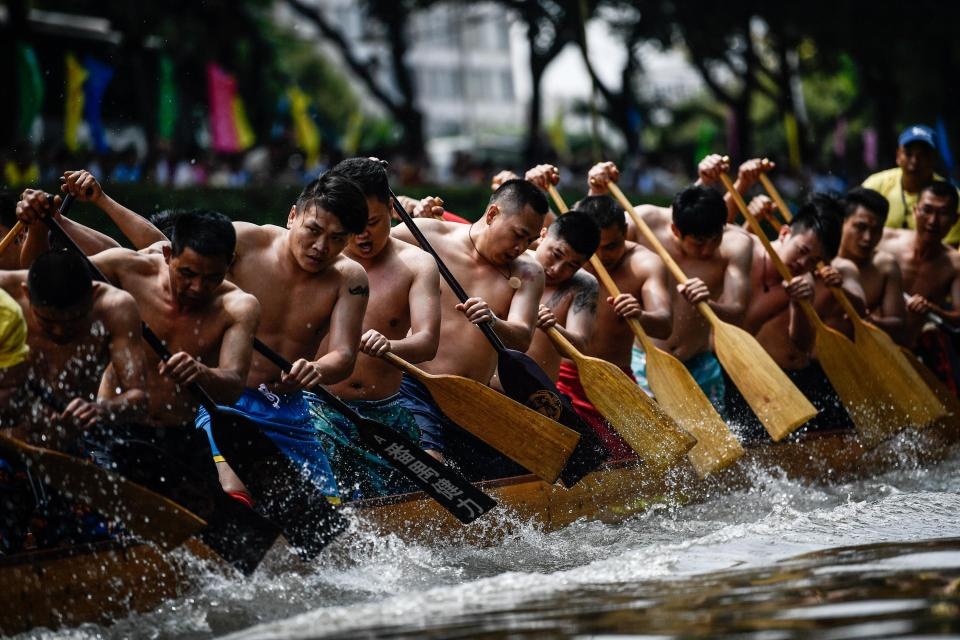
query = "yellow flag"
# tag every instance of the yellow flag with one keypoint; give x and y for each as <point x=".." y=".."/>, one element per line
<point x="76" y="76"/>
<point x="351" y="137"/>
<point x="793" y="139"/>
<point x="304" y="128"/>
<point x="245" y="137"/>
<point x="558" y="135"/>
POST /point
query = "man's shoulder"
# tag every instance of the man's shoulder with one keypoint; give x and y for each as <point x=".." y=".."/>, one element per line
<point x="883" y="181"/>
<point x="114" y="304"/>
<point x="736" y="241"/>
<point x="846" y="266"/>
<point x="584" y="281"/>
<point x="652" y="213"/>
<point x="250" y="233"/>
<point x="238" y="302"/>
<point x="884" y="261"/>
<point x="528" y="264"/>
<point x="346" y="267"/>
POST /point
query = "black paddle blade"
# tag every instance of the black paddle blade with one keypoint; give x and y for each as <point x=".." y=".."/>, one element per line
<point x="454" y="493"/>
<point x="284" y="493"/>
<point x="523" y="380"/>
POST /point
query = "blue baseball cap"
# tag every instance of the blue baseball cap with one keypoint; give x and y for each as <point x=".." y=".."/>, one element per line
<point x="917" y="133"/>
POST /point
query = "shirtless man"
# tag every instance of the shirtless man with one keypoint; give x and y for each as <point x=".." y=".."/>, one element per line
<point x="931" y="273"/>
<point x="641" y="277"/>
<point x="880" y="279"/>
<point x="506" y="285"/>
<point x="76" y="328"/>
<point x="715" y="256"/>
<point x="402" y="317"/>
<point x="775" y="317"/>
<point x="10" y="258"/>
<point x="569" y="301"/>
<point x="309" y="294"/>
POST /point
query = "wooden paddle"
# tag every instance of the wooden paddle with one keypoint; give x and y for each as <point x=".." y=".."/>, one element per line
<point x="11" y="236"/>
<point x="770" y="393"/>
<point x="144" y="513"/>
<point x="677" y="392"/>
<point x="944" y="394"/>
<point x="454" y="492"/>
<point x="525" y="436"/>
<point x="867" y="401"/>
<point x="522" y="379"/>
<point x="904" y="384"/>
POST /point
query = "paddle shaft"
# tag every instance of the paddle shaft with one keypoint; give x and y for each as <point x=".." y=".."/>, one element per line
<point x="11" y="236"/>
<point x="449" y="488"/>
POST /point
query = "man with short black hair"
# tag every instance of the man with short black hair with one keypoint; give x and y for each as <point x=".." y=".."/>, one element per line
<point x="865" y="212"/>
<point x="75" y="328"/>
<point x="403" y="318"/>
<point x="775" y="317"/>
<point x="506" y="284"/>
<point x="901" y="186"/>
<point x="931" y="272"/>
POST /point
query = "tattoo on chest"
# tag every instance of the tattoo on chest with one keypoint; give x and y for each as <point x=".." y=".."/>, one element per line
<point x="360" y="290"/>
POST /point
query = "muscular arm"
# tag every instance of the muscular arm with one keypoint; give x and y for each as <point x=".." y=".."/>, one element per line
<point x="732" y="304"/>
<point x="852" y="285"/>
<point x="137" y="229"/>
<point x="420" y="344"/>
<point x="657" y="315"/>
<point x="582" y="316"/>
<point x="114" y="263"/>
<point x="346" y="324"/>
<point x="891" y="314"/>
<point x="517" y="330"/>
<point x="225" y="381"/>
<point x="128" y="362"/>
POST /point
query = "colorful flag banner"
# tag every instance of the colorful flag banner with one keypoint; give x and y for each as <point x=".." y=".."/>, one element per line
<point x="353" y="134"/>
<point x="167" y="100"/>
<point x="229" y="127"/>
<point x="304" y="128"/>
<point x="99" y="75"/>
<point x="943" y="146"/>
<point x="29" y="88"/>
<point x="840" y="138"/>
<point x="558" y="135"/>
<point x="870" y="147"/>
<point x="793" y="139"/>
<point x="73" y="108"/>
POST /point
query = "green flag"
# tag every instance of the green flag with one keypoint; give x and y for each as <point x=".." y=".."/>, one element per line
<point x="29" y="87"/>
<point x="167" y="100"/>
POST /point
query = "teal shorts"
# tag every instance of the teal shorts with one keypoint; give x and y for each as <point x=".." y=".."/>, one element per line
<point x="361" y="473"/>
<point x="704" y="367"/>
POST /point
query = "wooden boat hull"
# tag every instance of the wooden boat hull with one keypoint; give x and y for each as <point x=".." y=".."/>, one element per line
<point x="100" y="582"/>
<point x="621" y="489"/>
<point x="89" y="583"/>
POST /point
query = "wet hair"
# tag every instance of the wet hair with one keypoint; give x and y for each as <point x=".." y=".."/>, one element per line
<point x="604" y="211"/>
<point x="339" y="196"/>
<point x="209" y="233"/>
<point x="578" y="230"/>
<point x="699" y="212"/>
<point x="165" y="219"/>
<point x="943" y="189"/>
<point x="822" y="214"/>
<point x="368" y="174"/>
<point x="514" y="195"/>
<point x="869" y="199"/>
<point x="8" y="208"/>
<point x="59" y="278"/>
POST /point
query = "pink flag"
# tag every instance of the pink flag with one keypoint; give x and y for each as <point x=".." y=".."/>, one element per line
<point x="221" y="91"/>
<point x="840" y="138"/>
<point x="870" y="147"/>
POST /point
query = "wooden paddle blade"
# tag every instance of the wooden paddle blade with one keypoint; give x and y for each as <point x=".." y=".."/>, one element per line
<point x="906" y="386"/>
<point x="874" y="414"/>
<point x="144" y="513"/>
<point x="770" y="393"/>
<point x="525" y="382"/>
<point x="655" y="437"/>
<point x="521" y="434"/>
<point x="465" y="501"/>
<point x="683" y="399"/>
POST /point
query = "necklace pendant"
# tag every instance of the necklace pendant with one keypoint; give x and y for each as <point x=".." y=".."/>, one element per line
<point x="514" y="282"/>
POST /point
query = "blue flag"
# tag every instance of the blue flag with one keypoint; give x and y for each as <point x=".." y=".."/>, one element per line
<point x="99" y="75"/>
<point x="943" y="146"/>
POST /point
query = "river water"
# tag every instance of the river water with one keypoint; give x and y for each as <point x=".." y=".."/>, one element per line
<point x="783" y="559"/>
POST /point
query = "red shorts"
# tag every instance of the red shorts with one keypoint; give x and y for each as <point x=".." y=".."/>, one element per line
<point x="568" y="383"/>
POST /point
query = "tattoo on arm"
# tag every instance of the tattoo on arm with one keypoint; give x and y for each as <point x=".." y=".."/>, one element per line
<point x="586" y="296"/>
<point x="360" y="290"/>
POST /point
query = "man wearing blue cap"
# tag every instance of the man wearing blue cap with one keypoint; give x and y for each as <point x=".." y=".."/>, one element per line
<point x="901" y="186"/>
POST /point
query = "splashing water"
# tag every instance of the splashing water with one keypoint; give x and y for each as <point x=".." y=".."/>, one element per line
<point x="780" y="559"/>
